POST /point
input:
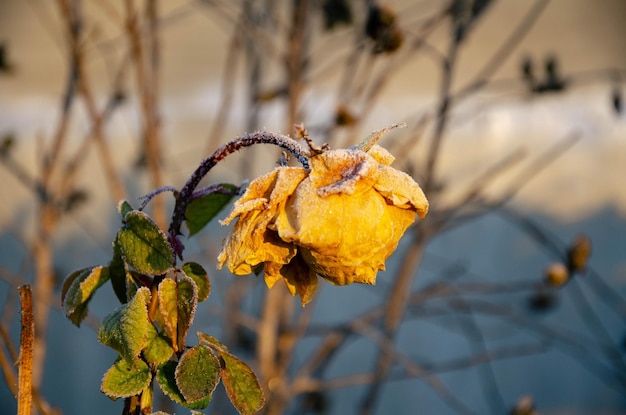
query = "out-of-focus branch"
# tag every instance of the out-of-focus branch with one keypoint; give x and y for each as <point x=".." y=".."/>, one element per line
<point x="229" y="72"/>
<point x="443" y="110"/>
<point x="505" y="50"/>
<point x="72" y="19"/>
<point x="427" y="369"/>
<point x="577" y="346"/>
<point x="148" y="89"/>
<point x="398" y="298"/>
<point x="474" y="335"/>
<point x="516" y="184"/>
<point x="396" y="304"/>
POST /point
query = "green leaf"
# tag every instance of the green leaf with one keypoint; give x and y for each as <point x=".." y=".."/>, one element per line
<point x="177" y="303"/>
<point x="126" y="379"/>
<point x="212" y="342"/>
<point x="126" y="329"/>
<point x="158" y="348"/>
<point x="120" y="278"/>
<point x="78" y="289"/>
<point x="200" y="277"/>
<point x="169" y="309"/>
<point x="201" y="210"/>
<point x="187" y="302"/>
<point x="241" y="384"/>
<point x="197" y="373"/>
<point x="166" y="378"/>
<point x="144" y="245"/>
<point x="123" y="208"/>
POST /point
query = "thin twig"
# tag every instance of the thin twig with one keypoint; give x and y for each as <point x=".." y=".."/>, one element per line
<point x="227" y="85"/>
<point x="491" y="390"/>
<point x="591" y="319"/>
<point x="505" y="50"/>
<point x="396" y="304"/>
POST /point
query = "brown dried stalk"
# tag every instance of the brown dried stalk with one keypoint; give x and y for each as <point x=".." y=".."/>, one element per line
<point x="27" y="340"/>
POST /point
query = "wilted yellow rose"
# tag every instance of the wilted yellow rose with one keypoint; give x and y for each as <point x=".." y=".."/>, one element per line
<point x="340" y="220"/>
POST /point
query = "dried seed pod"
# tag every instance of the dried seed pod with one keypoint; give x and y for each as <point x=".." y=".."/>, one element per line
<point x="556" y="274"/>
<point x="578" y="254"/>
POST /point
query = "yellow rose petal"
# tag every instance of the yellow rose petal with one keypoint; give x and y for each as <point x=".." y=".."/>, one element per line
<point x="401" y="190"/>
<point x="381" y="155"/>
<point x="251" y="242"/>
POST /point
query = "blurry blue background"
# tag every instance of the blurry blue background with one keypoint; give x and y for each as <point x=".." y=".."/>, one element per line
<point x="555" y="357"/>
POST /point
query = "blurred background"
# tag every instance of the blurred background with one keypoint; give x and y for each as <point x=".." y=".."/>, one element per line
<point x="509" y="298"/>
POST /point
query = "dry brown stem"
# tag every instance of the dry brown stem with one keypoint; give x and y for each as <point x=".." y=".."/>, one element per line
<point x="27" y="340"/>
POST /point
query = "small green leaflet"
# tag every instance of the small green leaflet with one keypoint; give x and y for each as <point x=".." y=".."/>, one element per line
<point x="120" y="278"/>
<point x="197" y="373"/>
<point x="201" y="210"/>
<point x="144" y="245"/>
<point x="211" y="341"/>
<point x="241" y="384"/>
<point x="168" y="308"/>
<point x="200" y="277"/>
<point x="178" y="300"/>
<point x="78" y="289"/>
<point x="123" y="207"/>
<point x="126" y="329"/>
<point x="187" y="303"/>
<point x="158" y="348"/>
<point x="167" y="381"/>
<point x="126" y="379"/>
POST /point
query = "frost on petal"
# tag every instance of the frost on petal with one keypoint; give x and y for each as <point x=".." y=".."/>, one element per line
<point x="341" y="220"/>
<point x="381" y="155"/>
<point x="252" y="242"/>
<point x="401" y="190"/>
<point x="344" y="239"/>
<point x="342" y="171"/>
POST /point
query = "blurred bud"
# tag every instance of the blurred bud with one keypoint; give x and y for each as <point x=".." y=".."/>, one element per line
<point x="527" y="70"/>
<point x="553" y="81"/>
<point x="7" y="144"/>
<point x="343" y="116"/>
<point x="552" y="66"/>
<point x="316" y="402"/>
<point x="617" y="100"/>
<point x="524" y="406"/>
<point x="382" y="28"/>
<point x="118" y="98"/>
<point x="5" y="66"/>
<point x="379" y="19"/>
<point x="556" y="274"/>
<point x="390" y="41"/>
<point x="336" y="12"/>
<point x="578" y="254"/>
<point x="542" y="301"/>
<point x="75" y="199"/>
